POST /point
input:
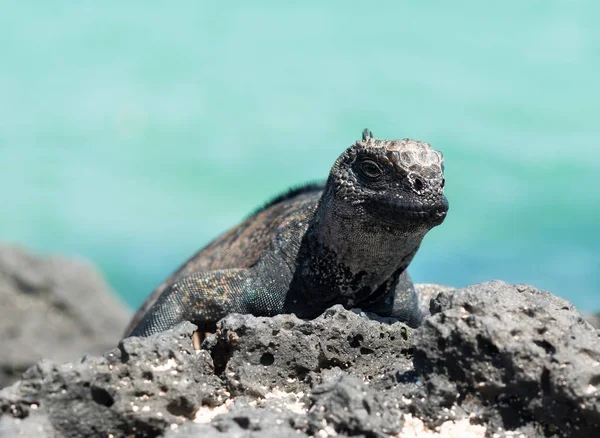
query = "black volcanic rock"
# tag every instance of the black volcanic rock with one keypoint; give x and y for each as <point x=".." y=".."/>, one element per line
<point x="140" y="388"/>
<point x="53" y="308"/>
<point x="525" y="354"/>
<point x="258" y="354"/>
<point x="492" y="358"/>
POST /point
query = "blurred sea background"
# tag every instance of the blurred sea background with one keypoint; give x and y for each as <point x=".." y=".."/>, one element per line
<point x="132" y="133"/>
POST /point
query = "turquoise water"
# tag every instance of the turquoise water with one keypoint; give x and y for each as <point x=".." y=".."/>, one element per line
<point x="132" y="133"/>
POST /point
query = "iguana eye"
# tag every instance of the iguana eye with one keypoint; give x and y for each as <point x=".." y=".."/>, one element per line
<point x="370" y="169"/>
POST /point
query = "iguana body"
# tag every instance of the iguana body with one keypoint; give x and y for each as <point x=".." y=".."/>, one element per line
<point x="346" y="242"/>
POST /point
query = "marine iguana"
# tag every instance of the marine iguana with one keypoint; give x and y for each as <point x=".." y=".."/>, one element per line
<point x="347" y="242"/>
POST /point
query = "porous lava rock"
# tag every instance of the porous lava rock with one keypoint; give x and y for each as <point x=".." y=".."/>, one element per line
<point x="491" y="360"/>
<point x="138" y="389"/>
<point x="257" y="354"/>
<point x="526" y="355"/>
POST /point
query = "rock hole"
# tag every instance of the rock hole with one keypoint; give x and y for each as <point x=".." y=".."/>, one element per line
<point x="595" y="380"/>
<point x="147" y="375"/>
<point x="102" y="397"/>
<point x="547" y="346"/>
<point x="404" y="334"/>
<point x="545" y="381"/>
<point x="367" y="406"/>
<point x="392" y="338"/>
<point x="181" y="406"/>
<point x="288" y="325"/>
<point x="356" y="341"/>
<point x="17" y="411"/>
<point x="365" y="350"/>
<point x="267" y="359"/>
<point x="243" y="422"/>
<point x="486" y="347"/>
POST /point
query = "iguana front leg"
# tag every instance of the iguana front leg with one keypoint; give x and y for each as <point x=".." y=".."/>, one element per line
<point x="206" y="297"/>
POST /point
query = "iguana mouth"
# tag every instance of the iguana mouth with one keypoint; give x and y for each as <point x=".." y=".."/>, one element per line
<point x="401" y="209"/>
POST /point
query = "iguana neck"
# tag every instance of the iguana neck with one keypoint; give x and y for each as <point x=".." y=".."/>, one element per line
<point x="351" y="257"/>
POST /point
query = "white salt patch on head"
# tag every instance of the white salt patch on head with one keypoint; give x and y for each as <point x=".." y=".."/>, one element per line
<point x="415" y="428"/>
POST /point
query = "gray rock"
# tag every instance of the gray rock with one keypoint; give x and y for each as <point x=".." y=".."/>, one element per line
<point x="259" y="354"/>
<point x="515" y="359"/>
<point x="53" y="308"/>
<point x="140" y="388"/>
<point x="349" y="406"/>
<point x="245" y="421"/>
<point x="427" y="291"/>
<point x="150" y="386"/>
<point x="36" y="425"/>
<point x="524" y="354"/>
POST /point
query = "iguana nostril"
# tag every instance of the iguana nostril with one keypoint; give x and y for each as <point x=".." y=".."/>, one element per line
<point x="418" y="184"/>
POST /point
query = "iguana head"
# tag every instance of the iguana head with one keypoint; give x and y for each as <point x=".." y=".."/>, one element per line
<point x="392" y="181"/>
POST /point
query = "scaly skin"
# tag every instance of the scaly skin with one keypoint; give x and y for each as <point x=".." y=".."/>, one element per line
<point x="346" y="242"/>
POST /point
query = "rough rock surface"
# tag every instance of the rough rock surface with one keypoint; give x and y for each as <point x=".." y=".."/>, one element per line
<point x="526" y="355"/>
<point x="53" y="308"/>
<point x="492" y="359"/>
<point x="257" y="354"/>
<point x="139" y="389"/>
